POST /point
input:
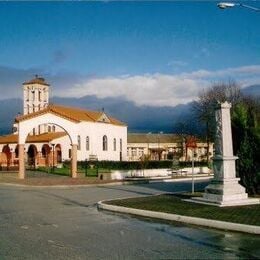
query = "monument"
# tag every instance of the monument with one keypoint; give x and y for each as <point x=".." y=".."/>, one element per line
<point x="224" y="189"/>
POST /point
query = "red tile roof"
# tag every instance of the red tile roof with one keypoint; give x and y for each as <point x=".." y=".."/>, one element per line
<point x="42" y="138"/>
<point x="74" y="114"/>
<point x="37" y="80"/>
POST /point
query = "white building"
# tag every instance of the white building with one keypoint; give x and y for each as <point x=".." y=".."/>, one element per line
<point x="49" y="133"/>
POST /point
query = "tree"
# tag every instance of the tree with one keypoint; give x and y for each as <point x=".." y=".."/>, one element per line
<point x="204" y="107"/>
<point x="246" y="136"/>
<point x="245" y="117"/>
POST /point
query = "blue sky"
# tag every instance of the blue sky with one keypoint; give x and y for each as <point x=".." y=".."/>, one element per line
<point x="128" y="49"/>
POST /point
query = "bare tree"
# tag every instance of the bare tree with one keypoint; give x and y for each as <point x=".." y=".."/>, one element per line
<point x="204" y="107"/>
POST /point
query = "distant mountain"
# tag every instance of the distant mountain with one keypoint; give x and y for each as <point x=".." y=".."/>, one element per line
<point x="138" y="118"/>
<point x="253" y="90"/>
<point x="9" y="108"/>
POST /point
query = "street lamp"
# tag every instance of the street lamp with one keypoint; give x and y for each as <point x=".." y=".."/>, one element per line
<point x="159" y="153"/>
<point x="52" y="157"/>
<point x="148" y="140"/>
<point x="226" y="5"/>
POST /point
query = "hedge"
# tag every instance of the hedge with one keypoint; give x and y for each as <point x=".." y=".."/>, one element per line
<point x="126" y="165"/>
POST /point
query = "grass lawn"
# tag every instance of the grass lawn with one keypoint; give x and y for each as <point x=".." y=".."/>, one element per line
<point x="174" y="204"/>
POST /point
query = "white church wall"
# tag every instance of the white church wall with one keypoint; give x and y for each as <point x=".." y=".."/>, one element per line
<point x="95" y="132"/>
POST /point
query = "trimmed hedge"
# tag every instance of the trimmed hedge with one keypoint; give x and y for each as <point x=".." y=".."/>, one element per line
<point x="126" y="165"/>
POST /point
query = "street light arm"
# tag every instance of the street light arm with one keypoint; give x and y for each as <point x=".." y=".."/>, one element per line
<point x="250" y="7"/>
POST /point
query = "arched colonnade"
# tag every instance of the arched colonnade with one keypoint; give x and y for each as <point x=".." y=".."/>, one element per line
<point x="27" y="123"/>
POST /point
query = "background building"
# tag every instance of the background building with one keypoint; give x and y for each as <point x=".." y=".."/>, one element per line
<point x="164" y="147"/>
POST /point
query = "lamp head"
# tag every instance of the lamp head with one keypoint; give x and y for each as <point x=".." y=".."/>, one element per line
<point x="224" y="5"/>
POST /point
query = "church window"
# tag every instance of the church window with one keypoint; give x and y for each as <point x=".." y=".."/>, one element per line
<point x="33" y="94"/>
<point x="40" y="97"/>
<point x="53" y="128"/>
<point x="104" y="143"/>
<point x="114" y="144"/>
<point x="121" y="145"/>
<point x="87" y="143"/>
<point x="79" y="142"/>
<point x="28" y="93"/>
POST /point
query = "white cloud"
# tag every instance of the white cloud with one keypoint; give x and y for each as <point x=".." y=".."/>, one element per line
<point x="148" y="89"/>
<point x="161" y="89"/>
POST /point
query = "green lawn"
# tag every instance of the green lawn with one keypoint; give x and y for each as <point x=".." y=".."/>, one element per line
<point x="174" y="204"/>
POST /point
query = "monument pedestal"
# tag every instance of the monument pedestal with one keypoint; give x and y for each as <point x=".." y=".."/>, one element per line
<point x="225" y="193"/>
<point x="224" y="189"/>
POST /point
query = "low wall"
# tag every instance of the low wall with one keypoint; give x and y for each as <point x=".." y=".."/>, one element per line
<point x="122" y="174"/>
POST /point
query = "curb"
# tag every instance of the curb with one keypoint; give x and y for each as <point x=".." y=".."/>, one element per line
<point x="183" y="219"/>
<point x="129" y="182"/>
<point x="74" y="185"/>
<point x="189" y="179"/>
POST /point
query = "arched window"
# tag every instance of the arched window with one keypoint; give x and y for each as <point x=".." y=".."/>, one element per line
<point x="44" y="152"/>
<point x="79" y="142"/>
<point x="104" y="143"/>
<point x="121" y="145"/>
<point x="114" y="144"/>
<point x="16" y="151"/>
<point x="53" y="128"/>
<point x="87" y="143"/>
<point x="49" y="128"/>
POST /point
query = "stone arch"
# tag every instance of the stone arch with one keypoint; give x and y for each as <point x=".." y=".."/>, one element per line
<point x="32" y="156"/>
<point x="16" y="151"/>
<point x="45" y="154"/>
<point x="58" y="153"/>
<point x="25" y="126"/>
<point x="7" y="155"/>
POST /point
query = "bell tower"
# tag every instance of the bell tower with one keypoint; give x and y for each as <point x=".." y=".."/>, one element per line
<point x="35" y="95"/>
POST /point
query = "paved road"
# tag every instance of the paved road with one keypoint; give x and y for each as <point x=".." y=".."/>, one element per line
<point x="63" y="223"/>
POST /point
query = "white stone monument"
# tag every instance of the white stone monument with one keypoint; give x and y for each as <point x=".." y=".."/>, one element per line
<point x="224" y="189"/>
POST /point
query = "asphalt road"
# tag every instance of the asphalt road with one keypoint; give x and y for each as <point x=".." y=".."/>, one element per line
<point x="64" y="223"/>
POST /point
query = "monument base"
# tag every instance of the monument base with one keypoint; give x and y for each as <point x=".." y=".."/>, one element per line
<point x="224" y="193"/>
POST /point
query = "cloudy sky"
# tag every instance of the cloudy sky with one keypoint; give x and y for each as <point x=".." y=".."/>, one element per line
<point x="152" y="53"/>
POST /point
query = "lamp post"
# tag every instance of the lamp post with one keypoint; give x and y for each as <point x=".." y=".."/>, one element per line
<point x="192" y="143"/>
<point x="148" y="140"/>
<point x="226" y="5"/>
<point x="52" y="157"/>
<point x="159" y="154"/>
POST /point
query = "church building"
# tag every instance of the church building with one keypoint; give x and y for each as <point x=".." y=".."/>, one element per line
<point x="47" y="134"/>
